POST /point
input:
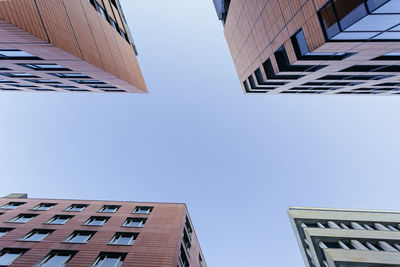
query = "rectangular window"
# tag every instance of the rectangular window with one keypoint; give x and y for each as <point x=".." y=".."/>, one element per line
<point x="200" y="261"/>
<point x="143" y="210"/>
<point x="348" y="12"/>
<point x="109" y="259"/>
<point x="114" y="90"/>
<point x="12" y="205"/>
<point x="15" y="54"/>
<point x="328" y="20"/>
<point x="36" y="235"/>
<point x="76" y="207"/>
<point x="23" y="218"/>
<point x="4" y="231"/>
<point x="42" y="67"/>
<point x="188" y="227"/>
<point x="96" y="221"/>
<point x="186" y="241"/>
<point x="134" y="222"/>
<point x="183" y="258"/>
<point x="70" y="75"/>
<point x="9" y="255"/>
<point x="41" y="81"/>
<point x="57" y="258"/>
<point x="59" y="219"/>
<point x="101" y="11"/>
<point x="44" y="206"/>
<point x="88" y="81"/>
<point x="18" y="75"/>
<point x="109" y="208"/>
<point x="127" y="239"/>
<point x="80" y="237"/>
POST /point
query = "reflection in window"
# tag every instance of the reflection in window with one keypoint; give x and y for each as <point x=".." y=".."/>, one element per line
<point x="57" y="258"/>
<point x="349" y="12"/>
<point x="36" y="235"/>
<point x="106" y="259"/>
<point x="9" y="255"/>
<point x="328" y="18"/>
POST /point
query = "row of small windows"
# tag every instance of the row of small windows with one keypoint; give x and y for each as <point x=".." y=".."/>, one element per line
<point x="79" y="237"/>
<point x="78" y="207"/>
<point x="60" y="258"/>
<point x="92" y="221"/>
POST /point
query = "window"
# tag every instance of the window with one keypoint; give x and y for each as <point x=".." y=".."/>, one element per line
<point x="109" y="208"/>
<point x="188" y="227"/>
<point x="63" y="86"/>
<point x="18" y="75"/>
<point x="109" y="259"/>
<point x="4" y="231"/>
<point x="70" y="75"/>
<point x="6" y="81"/>
<point x="124" y="239"/>
<point x="44" y="206"/>
<point x="57" y="258"/>
<point x="328" y="21"/>
<point x="41" y="81"/>
<point x="96" y="221"/>
<point x="183" y="258"/>
<point x="23" y="85"/>
<point x="76" y="207"/>
<point x="78" y="90"/>
<point x="200" y="261"/>
<point x="9" y="255"/>
<point x="134" y="222"/>
<point x="36" y="235"/>
<point x="389" y="56"/>
<point x="47" y="66"/>
<point x="143" y="210"/>
<point x="80" y="237"/>
<point x="12" y="205"/>
<point x="186" y="241"/>
<point x="88" y="81"/>
<point x="102" y="86"/>
<point x="59" y="219"/>
<point x="101" y="11"/>
<point x="23" y="218"/>
<point x="114" y="90"/>
<point x="15" y="54"/>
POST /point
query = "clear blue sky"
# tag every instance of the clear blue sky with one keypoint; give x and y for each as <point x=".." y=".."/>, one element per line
<point x="238" y="161"/>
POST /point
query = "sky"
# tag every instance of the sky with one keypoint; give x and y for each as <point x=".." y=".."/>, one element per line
<point x="238" y="161"/>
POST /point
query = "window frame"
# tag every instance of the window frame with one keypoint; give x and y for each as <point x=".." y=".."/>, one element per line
<point x="21" y="251"/>
<point x="121" y="234"/>
<point x="90" y="234"/>
<point x="94" y="218"/>
<point x="139" y="208"/>
<point x="68" y="209"/>
<point x="104" y="207"/>
<point x="58" y="217"/>
<point x="5" y="206"/>
<point x="33" y="232"/>
<point x="120" y="256"/>
<point x="37" y="207"/>
<point x="14" y="219"/>
<point x="141" y="225"/>
<point x="53" y="253"/>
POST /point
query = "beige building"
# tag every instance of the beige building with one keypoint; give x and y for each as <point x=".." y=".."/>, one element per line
<point x="344" y="238"/>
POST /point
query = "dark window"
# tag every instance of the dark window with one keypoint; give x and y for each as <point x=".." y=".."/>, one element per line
<point x="15" y="54"/>
<point x="70" y="75"/>
<point x="374" y="4"/>
<point x="354" y="77"/>
<point x="45" y="67"/>
<point x="36" y="235"/>
<point x="79" y="90"/>
<point x="57" y="258"/>
<point x="389" y="56"/>
<point x="183" y="258"/>
<point x="109" y="208"/>
<point x="106" y="259"/>
<point x="62" y="86"/>
<point x="96" y="221"/>
<point x="102" y="86"/>
<point x="328" y="21"/>
<point x="42" y="89"/>
<point x="101" y="10"/>
<point x="186" y="241"/>
<point x="9" y="255"/>
<point x="88" y="81"/>
<point x="59" y="219"/>
<point x="348" y="12"/>
<point x="299" y="44"/>
<point x="76" y="207"/>
<point x="134" y="222"/>
<point x="12" y="205"/>
<point x="41" y="81"/>
<point x="7" y="81"/>
<point x="127" y="239"/>
<point x="80" y="237"/>
<point x="114" y="3"/>
<point x="44" y="206"/>
<point x="114" y="90"/>
<point x="188" y="227"/>
<point x="200" y="261"/>
<point x="4" y="231"/>
<point x="18" y="75"/>
<point x="143" y="210"/>
<point x="23" y="218"/>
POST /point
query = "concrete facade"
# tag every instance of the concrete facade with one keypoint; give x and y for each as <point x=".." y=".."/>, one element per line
<point x="165" y="237"/>
<point x="88" y="38"/>
<point x="314" y="46"/>
<point x="341" y="238"/>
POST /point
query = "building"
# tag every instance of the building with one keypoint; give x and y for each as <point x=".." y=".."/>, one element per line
<point x="54" y="232"/>
<point x="314" y="46"/>
<point x="344" y="238"/>
<point x="73" y="46"/>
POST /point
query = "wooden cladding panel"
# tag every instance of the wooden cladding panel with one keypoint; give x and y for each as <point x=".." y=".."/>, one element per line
<point x="78" y="28"/>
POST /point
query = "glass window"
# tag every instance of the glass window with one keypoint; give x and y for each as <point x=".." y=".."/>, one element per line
<point x="44" y="66"/>
<point x="23" y="218"/>
<point x="15" y="54"/>
<point x="12" y="205"/>
<point x="134" y="222"/>
<point x="57" y="258"/>
<point x="36" y="235"/>
<point x="124" y="239"/>
<point x="4" y="231"/>
<point x="300" y="44"/>
<point x="183" y="258"/>
<point x="143" y="210"/>
<point x="200" y="261"/>
<point x="76" y="207"/>
<point x="375" y="23"/>
<point x="88" y="81"/>
<point x="186" y="241"/>
<point x="329" y="22"/>
<point x="390" y="7"/>
<point x="44" y="206"/>
<point x="18" y="75"/>
<point x="374" y="4"/>
<point x="8" y="256"/>
<point x="79" y="237"/>
<point x="109" y="208"/>
<point x="109" y="260"/>
<point x="70" y="75"/>
<point x="96" y="221"/>
<point x="63" y="86"/>
<point x="349" y="12"/>
<point x="355" y="35"/>
<point x="42" y="81"/>
<point x="188" y="227"/>
<point x="388" y="36"/>
<point x="59" y="219"/>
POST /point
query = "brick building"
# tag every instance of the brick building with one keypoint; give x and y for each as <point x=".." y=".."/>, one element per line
<point x="343" y="237"/>
<point x="314" y="46"/>
<point x="54" y="232"/>
<point x="74" y="46"/>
